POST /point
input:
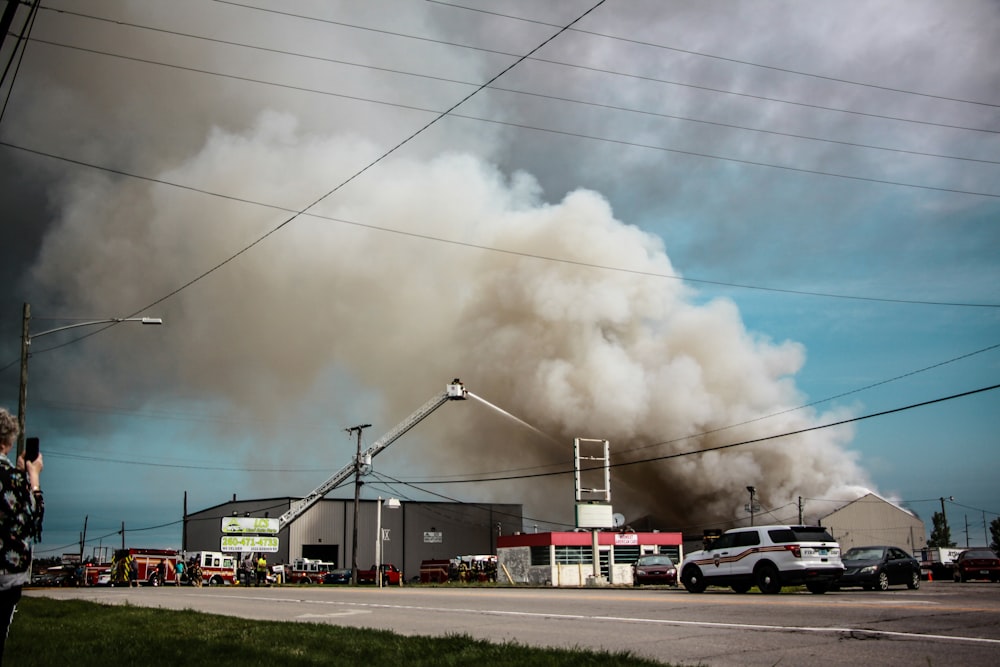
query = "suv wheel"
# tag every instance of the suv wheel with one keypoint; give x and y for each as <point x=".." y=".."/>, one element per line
<point x="914" y="581"/>
<point x="768" y="579"/>
<point x="692" y="580"/>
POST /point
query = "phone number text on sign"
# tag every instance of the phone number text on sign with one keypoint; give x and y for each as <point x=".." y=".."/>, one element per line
<point x="249" y="543"/>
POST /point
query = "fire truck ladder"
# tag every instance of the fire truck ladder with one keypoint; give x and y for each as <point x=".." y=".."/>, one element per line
<point x="453" y="392"/>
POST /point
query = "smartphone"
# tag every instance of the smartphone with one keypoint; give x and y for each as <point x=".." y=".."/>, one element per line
<point x="31" y="449"/>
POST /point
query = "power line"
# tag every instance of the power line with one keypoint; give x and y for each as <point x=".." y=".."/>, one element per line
<point x="365" y="168"/>
<point x="716" y="448"/>
<point x="607" y="71"/>
<point x="469" y="83"/>
<point x="466" y="244"/>
<point x="579" y="135"/>
<point x="737" y="61"/>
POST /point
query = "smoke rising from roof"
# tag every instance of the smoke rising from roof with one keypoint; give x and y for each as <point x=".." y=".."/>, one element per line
<point x="574" y="350"/>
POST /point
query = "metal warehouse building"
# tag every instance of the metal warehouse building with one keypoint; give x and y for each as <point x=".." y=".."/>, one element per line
<point x="874" y="520"/>
<point x="414" y="532"/>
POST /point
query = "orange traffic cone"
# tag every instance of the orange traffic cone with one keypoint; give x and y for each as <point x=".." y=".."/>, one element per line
<point x="930" y="576"/>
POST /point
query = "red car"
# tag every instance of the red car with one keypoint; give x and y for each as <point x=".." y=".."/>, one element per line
<point x="977" y="564"/>
<point x="654" y="569"/>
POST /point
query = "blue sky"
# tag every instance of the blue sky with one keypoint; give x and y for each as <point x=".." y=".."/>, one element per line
<point x="674" y="225"/>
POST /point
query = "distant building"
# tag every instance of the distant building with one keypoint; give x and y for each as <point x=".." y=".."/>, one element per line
<point x="414" y="532"/>
<point x="874" y="520"/>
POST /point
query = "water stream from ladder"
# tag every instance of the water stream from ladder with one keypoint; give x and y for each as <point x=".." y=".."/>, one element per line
<point x="507" y="414"/>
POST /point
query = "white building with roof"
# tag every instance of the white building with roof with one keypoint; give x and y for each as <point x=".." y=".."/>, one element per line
<point x="873" y="520"/>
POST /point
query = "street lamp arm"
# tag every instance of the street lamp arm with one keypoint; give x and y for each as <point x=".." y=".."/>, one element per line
<point x="110" y="320"/>
<point x="27" y="337"/>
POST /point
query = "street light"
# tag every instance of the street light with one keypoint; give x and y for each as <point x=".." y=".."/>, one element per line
<point x="393" y="504"/>
<point x="27" y="337"/>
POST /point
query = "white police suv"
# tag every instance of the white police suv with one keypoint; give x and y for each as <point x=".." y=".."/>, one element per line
<point x="768" y="557"/>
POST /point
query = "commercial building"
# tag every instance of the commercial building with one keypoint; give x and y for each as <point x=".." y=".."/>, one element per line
<point x="412" y="533"/>
<point x="567" y="558"/>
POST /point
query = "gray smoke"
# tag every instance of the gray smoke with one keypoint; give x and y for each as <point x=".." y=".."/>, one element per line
<point x="537" y="329"/>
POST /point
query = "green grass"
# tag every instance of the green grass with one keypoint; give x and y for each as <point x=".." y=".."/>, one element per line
<point x="85" y="634"/>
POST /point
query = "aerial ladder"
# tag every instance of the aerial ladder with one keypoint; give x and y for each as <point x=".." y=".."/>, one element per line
<point x="455" y="391"/>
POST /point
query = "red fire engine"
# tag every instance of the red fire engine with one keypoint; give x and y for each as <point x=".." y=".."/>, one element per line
<point x="143" y="566"/>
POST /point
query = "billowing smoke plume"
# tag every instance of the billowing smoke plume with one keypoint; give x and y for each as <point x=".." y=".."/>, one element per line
<point x="414" y="273"/>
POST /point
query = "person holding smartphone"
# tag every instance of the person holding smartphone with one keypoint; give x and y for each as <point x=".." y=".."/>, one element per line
<point x="21" y="512"/>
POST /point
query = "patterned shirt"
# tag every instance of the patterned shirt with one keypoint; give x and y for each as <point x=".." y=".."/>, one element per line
<point x="21" y="513"/>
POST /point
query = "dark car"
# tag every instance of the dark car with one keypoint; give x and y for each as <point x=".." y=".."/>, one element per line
<point x="879" y="567"/>
<point x="977" y="564"/>
<point x="654" y="569"/>
<point x="337" y="577"/>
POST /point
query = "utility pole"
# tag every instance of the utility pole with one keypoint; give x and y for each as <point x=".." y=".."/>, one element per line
<point x="7" y="19"/>
<point x="800" y="510"/>
<point x="945" y="531"/>
<point x="83" y="537"/>
<point x="357" y="498"/>
<point x="22" y="394"/>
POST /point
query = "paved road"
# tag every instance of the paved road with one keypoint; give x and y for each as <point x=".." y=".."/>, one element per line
<point x="942" y="623"/>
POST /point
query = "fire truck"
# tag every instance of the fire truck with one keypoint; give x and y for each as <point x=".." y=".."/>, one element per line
<point x="217" y="568"/>
<point x="307" y="571"/>
<point x="142" y="566"/>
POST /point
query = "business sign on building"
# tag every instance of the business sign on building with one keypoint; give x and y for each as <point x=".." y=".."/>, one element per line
<point x="239" y="525"/>
<point x="248" y="544"/>
<point x="626" y="539"/>
<point x="433" y="537"/>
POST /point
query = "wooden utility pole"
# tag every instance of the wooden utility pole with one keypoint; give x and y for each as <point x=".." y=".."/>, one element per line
<point x="357" y="498"/>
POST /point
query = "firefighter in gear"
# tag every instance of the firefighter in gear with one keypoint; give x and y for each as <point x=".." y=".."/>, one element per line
<point x="261" y="570"/>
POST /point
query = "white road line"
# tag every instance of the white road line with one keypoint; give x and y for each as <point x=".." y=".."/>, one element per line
<point x="651" y="621"/>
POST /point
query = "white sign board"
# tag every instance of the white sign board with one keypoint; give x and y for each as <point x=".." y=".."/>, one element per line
<point x="594" y="516"/>
<point x="238" y="525"/>
<point x="433" y="538"/>
<point x="248" y="544"/>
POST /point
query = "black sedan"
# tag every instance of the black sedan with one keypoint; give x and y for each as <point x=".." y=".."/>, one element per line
<point x="879" y="567"/>
<point x="340" y="576"/>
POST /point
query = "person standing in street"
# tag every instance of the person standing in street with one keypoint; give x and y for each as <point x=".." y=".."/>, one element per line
<point x="21" y="511"/>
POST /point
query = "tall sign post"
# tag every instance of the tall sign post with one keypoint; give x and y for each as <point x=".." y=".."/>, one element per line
<point x="593" y="503"/>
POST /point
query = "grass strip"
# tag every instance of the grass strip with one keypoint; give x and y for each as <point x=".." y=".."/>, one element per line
<point x="86" y="634"/>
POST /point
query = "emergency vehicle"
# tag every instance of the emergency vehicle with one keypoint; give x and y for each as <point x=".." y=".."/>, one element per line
<point x="307" y="571"/>
<point x="144" y="563"/>
<point x="217" y="568"/>
<point x="92" y="573"/>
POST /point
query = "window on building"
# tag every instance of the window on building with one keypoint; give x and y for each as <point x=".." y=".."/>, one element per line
<point x="540" y="556"/>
